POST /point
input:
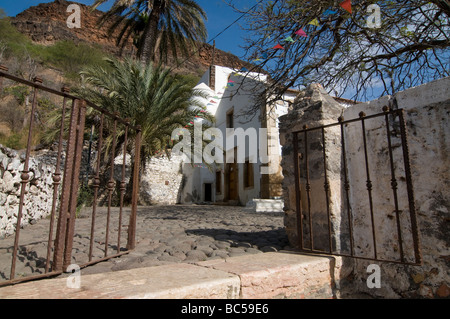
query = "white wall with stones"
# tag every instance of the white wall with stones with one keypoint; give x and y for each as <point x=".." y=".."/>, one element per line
<point x="38" y="192"/>
<point x="427" y="110"/>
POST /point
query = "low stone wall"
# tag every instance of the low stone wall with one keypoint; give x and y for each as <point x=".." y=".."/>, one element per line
<point x="427" y="110"/>
<point x="38" y="193"/>
<point x="160" y="183"/>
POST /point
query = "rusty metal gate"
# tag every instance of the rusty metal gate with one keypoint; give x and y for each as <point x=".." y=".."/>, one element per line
<point x="354" y="191"/>
<point x="92" y="154"/>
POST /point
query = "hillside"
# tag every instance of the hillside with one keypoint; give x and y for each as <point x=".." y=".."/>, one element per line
<point x="45" y="24"/>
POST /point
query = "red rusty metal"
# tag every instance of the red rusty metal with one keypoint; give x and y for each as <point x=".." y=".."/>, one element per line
<point x="25" y="178"/>
<point x="64" y="214"/>
<point x="123" y="185"/>
<point x="75" y="180"/>
<point x="96" y="185"/>
<point x="111" y="184"/>
<point x="56" y="180"/>
<point x="69" y="176"/>
<point x="135" y="193"/>
<point x="299" y="158"/>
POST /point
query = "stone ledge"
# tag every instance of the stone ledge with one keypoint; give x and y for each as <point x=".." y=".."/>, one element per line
<point x="176" y="281"/>
<point x="281" y="275"/>
<point x="265" y="276"/>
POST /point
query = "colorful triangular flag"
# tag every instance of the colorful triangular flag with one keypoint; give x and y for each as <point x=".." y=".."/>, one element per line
<point x="289" y="39"/>
<point x="315" y="22"/>
<point x="347" y="5"/>
<point x="278" y="46"/>
<point x="243" y="70"/>
<point x="301" y="33"/>
<point x="329" y="12"/>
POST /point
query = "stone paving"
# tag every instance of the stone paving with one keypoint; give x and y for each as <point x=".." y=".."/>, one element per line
<point x="175" y="234"/>
<point x="165" y="235"/>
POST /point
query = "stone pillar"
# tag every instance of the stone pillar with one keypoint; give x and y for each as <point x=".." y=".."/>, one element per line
<point x="313" y="108"/>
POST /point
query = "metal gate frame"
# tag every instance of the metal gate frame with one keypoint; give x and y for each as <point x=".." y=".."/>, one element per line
<point x="63" y="241"/>
<point x="409" y="186"/>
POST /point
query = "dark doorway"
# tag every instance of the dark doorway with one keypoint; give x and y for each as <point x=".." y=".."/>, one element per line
<point x="208" y="192"/>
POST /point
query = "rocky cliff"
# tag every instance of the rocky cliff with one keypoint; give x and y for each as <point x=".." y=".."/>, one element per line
<point x="46" y="24"/>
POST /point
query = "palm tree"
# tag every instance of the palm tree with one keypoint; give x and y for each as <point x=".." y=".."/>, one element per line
<point x="150" y="96"/>
<point x="158" y="26"/>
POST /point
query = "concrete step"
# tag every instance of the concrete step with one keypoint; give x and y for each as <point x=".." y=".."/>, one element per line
<point x="260" y="276"/>
<point x="266" y="205"/>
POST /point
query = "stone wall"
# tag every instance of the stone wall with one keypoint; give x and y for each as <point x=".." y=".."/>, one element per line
<point x="162" y="181"/>
<point x="427" y="109"/>
<point x="38" y="193"/>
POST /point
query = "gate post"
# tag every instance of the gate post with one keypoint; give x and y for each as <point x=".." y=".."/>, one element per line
<point x="74" y="183"/>
<point x="131" y="242"/>
<point x="69" y="193"/>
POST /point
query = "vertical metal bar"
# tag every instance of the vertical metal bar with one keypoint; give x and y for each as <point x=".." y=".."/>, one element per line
<point x="111" y="184"/>
<point x="368" y="182"/>
<point x="123" y="185"/>
<point x="96" y="185"/>
<point x="298" y="194"/>
<point x="410" y="189"/>
<point x="308" y="189"/>
<point x="56" y="181"/>
<point x="394" y="184"/>
<point x="25" y="178"/>
<point x="2" y="69"/>
<point x="327" y="190"/>
<point x="75" y="180"/>
<point x="131" y="243"/>
<point x="58" y="254"/>
<point x="346" y="185"/>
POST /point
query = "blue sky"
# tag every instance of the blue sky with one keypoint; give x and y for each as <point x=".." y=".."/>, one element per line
<point x="220" y="15"/>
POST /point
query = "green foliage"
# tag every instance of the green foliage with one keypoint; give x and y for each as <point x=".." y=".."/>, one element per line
<point x="148" y="95"/>
<point x="159" y="28"/>
<point x="66" y="56"/>
<point x="20" y="92"/>
<point x="15" y="42"/>
<point x="72" y="58"/>
<point x="14" y="141"/>
<point x="85" y="198"/>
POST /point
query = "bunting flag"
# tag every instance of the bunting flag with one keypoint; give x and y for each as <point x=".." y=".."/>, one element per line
<point x="301" y="33"/>
<point x="347" y="5"/>
<point x="212" y="101"/>
<point x="243" y="70"/>
<point x="278" y="47"/>
<point x="315" y="22"/>
<point x="329" y="12"/>
<point x="231" y="81"/>
<point x="289" y="39"/>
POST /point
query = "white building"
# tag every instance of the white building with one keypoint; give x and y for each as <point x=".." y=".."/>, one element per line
<point x="231" y="95"/>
